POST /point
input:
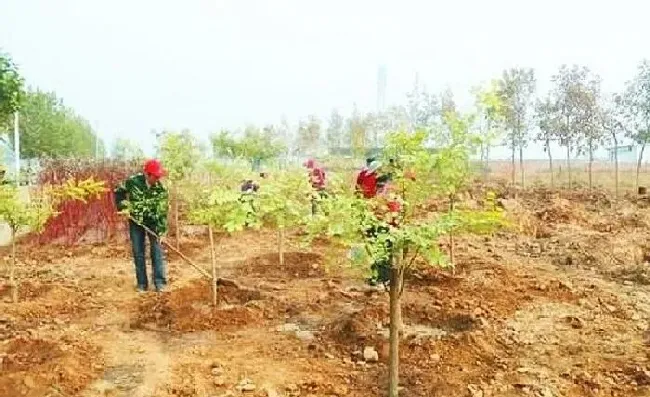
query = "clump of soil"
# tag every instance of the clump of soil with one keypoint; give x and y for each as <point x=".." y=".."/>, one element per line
<point x="190" y="308"/>
<point x="26" y="290"/>
<point x="296" y="265"/>
<point x="36" y="367"/>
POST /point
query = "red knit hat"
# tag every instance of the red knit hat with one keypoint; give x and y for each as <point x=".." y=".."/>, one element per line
<point x="154" y="168"/>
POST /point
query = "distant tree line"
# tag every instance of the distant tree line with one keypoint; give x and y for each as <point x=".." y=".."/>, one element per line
<point x="48" y="128"/>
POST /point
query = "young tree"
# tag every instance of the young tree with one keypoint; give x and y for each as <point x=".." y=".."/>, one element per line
<point x="637" y="104"/>
<point x="516" y="89"/>
<point x="614" y="123"/>
<point x="125" y="149"/>
<point x="420" y="175"/>
<point x="32" y="214"/>
<point x="358" y="132"/>
<point x="309" y="134"/>
<point x="571" y="96"/>
<point x="179" y="152"/>
<point x="423" y="108"/>
<point x="591" y="122"/>
<point x="284" y="201"/>
<point x="491" y="111"/>
<point x="11" y="88"/>
<point x="548" y="123"/>
<point x="221" y="208"/>
<point x="334" y="130"/>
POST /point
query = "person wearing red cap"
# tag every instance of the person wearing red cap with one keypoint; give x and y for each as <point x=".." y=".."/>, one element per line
<point x="147" y="201"/>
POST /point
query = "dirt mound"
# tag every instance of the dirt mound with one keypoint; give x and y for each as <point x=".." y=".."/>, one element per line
<point x="190" y="308"/>
<point x="296" y="265"/>
<point x="37" y="367"/>
<point x="26" y="290"/>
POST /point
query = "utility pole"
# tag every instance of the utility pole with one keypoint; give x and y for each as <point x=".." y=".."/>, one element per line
<point x="17" y="148"/>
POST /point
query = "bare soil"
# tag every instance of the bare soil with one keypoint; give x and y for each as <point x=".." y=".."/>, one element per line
<point x="557" y="305"/>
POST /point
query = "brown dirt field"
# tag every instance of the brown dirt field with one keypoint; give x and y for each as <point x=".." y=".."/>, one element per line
<point x="557" y="306"/>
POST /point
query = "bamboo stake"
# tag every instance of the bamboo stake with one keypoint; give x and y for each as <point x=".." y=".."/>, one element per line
<point x="179" y="253"/>
<point x="214" y="267"/>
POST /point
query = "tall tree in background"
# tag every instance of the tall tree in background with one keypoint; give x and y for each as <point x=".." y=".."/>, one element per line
<point x="548" y="124"/>
<point x="49" y="128"/>
<point x="11" y="89"/>
<point x="179" y="152"/>
<point x="516" y="89"/>
<point x="614" y="123"/>
<point x="335" y="130"/>
<point x="591" y="124"/>
<point x="491" y="112"/>
<point x="637" y="104"/>
<point x="309" y="134"/>
<point x="423" y="108"/>
<point x="125" y="149"/>
<point x="569" y="96"/>
<point x="358" y="133"/>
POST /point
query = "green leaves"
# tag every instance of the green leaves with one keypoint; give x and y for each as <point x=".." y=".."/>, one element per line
<point x="253" y="145"/>
<point x="11" y="87"/>
<point x="284" y="200"/>
<point x="221" y="208"/>
<point x="51" y="129"/>
<point x="179" y="153"/>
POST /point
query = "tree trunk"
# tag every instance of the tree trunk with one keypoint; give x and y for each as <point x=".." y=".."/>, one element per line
<point x="12" y="270"/>
<point x="487" y="162"/>
<point x="176" y="223"/>
<point x="452" y="242"/>
<point x="281" y="245"/>
<point x="568" y="162"/>
<point x="213" y="256"/>
<point x="396" y="280"/>
<point x="514" y="170"/>
<point x="638" y="167"/>
<point x="591" y="165"/>
<point x="521" y="166"/>
<point x="550" y="163"/>
<point x="615" y="165"/>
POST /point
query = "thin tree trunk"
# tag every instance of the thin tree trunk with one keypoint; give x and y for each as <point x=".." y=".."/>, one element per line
<point x="638" y="167"/>
<point x="176" y="223"/>
<point x="487" y="162"/>
<point x="591" y="164"/>
<point x="281" y="245"/>
<point x="550" y="163"/>
<point x="568" y="162"/>
<point x="452" y="242"/>
<point x="213" y="256"/>
<point x="514" y="170"/>
<point x="521" y="166"/>
<point x="12" y="270"/>
<point x="616" y="165"/>
<point x="396" y="280"/>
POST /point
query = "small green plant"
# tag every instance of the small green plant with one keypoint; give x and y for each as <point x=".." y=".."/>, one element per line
<point x="33" y="213"/>
<point x="219" y="207"/>
<point x="410" y="237"/>
<point x="284" y="201"/>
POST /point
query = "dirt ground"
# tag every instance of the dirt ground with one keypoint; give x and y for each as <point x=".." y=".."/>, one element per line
<point x="556" y="306"/>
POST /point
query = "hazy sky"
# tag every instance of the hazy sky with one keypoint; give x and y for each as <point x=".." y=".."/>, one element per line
<point x="132" y="66"/>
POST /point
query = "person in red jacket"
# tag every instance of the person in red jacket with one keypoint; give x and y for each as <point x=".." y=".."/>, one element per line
<point x="317" y="179"/>
<point x="367" y="184"/>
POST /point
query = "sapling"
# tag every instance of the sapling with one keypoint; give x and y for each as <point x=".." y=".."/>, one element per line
<point x="414" y="237"/>
<point x="220" y="207"/>
<point x="284" y="201"/>
<point x="32" y="214"/>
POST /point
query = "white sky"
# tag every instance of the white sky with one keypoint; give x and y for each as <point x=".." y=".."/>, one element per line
<point x="131" y="66"/>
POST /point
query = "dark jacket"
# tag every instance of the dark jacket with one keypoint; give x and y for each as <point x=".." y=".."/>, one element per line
<point x="148" y="205"/>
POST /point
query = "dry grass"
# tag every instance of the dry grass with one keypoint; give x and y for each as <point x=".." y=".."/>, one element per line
<point x="537" y="173"/>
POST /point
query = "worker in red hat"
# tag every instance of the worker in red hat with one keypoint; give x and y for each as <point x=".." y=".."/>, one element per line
<point x="147" y="201"/>
<point x="317" y="180"/>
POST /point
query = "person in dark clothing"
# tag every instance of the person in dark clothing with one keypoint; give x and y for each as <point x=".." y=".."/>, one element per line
<point x="369" y="187"/>
<point x="147" y="201"/>
<point x="317" y="179"/>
